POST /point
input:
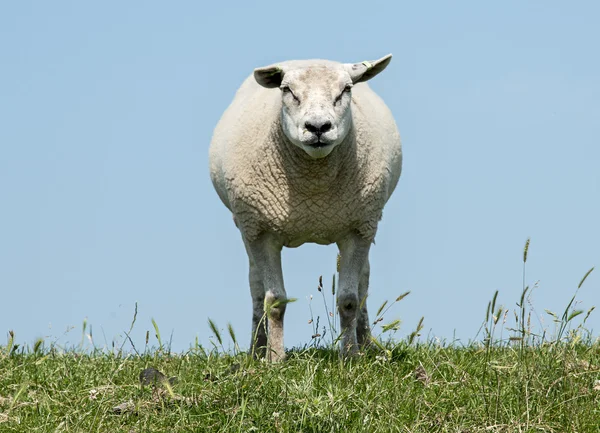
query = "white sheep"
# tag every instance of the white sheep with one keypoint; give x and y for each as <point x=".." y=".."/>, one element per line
<point x="307" y="152"/>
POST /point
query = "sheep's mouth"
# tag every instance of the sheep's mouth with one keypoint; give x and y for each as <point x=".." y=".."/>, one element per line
<point x="319" y="143"/>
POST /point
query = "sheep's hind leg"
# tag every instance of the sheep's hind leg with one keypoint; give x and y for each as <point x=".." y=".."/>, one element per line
<point x="266" y="254"/>
<point x="258" y="339"/>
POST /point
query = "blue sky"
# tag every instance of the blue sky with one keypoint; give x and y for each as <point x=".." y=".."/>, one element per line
<point x="107" y="112"/>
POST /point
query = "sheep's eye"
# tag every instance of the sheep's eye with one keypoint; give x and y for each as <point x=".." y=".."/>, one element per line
<point x="346" y="90"/>
<point x="286" y="89"/>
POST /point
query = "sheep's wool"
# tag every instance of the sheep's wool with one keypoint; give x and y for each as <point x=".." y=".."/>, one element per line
<point x="269" y="184"/>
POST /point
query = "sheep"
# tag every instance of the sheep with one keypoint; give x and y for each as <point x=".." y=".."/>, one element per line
<point x="307" y="152"/>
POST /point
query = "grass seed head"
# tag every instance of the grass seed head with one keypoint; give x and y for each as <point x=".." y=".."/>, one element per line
<point x="215" y="331"/>
<point x="584" y="277"/>
<point x="526" y="249"/>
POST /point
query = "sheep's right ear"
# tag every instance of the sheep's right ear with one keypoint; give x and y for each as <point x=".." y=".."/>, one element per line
<point x="269" y="76"/>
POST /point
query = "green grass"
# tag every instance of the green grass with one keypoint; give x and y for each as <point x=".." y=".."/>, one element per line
<point x="417" y="388"/>
<point x="516" y="379"/>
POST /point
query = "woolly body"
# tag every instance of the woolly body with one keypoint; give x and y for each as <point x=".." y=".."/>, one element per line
<point x="271" y="185"/>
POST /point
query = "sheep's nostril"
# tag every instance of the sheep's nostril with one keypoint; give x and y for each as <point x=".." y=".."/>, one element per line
<point x="310" y="127"/>
<point x="325" y="127"/>
<point x="318" y="128"/>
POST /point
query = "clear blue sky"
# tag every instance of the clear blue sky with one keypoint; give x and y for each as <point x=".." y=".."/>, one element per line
<point x="107" y="111"/>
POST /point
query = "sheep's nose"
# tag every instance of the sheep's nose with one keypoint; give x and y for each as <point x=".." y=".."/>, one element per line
<point x="317" y="127"/>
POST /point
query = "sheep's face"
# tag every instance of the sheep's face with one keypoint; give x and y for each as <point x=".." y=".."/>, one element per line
<point x="316" y="114"/>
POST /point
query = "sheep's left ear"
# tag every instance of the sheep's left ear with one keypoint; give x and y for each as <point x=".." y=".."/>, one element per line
<point x="364" y="71"/>
<point x="269" y="76"/>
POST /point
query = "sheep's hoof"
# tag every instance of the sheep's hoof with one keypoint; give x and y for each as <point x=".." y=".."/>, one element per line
<point x="275" y="356"/>
<point x="349" y="351"/>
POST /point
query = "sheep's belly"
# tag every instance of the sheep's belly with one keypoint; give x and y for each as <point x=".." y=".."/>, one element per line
<point x="313" y="217"/>
<point x="323" y="220"/>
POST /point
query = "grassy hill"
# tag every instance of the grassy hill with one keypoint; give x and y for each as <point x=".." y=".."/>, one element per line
<point x="515" y="379"/>
<point x="408" y="388"/>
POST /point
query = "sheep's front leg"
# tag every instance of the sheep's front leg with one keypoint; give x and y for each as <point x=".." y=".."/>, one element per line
<point x="265" y="252"/>
<point x="354" y="252"/>
<point x="363" y="327"/>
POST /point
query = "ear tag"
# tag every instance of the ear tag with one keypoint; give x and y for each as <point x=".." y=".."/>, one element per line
<point x="276" y="71"/>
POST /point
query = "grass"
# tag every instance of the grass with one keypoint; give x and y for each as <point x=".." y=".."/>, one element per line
<point x="418" y="388"/>
<point x="516" y="379"/>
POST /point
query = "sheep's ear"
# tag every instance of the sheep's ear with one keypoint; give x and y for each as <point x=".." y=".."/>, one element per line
<point x="269" y="76"/>
<point x="366" y="70"/>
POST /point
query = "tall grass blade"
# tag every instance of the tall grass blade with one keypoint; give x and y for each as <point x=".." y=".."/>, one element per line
<point x="156" y="330"/>
<point x="17" y="396"/>
<point x="377" y="343"/>
<point x="381" y="308"/>
<point x="584" y="277"/>
<point x="363" y="301"/>
<point x="215" y="331"/>
<point x="566" y="312"/>
<point x="134" y="318"/>
<point x="526" y="250"/>
<point x="588" y="313"/>
<point x="83" y="328"/>
<point x="281" y="302"/>
<point x="233" y="337"/>
<point x="574" y="314"/>
<point x="498" y="315"/>
<point x="333" y="285"/>
<point x="231" y="333"/>
<point x="392" y="326"/>
<point x="37" y="345"/>
<point x="416" y="332"/>
<point x="494" y="301"/>
<point x="402" y="296"/>
<point x="11" y="341"/>
<point x="522" y="302"/>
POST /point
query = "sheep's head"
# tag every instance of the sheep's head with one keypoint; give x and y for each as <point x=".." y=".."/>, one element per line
<point x="316" y="114"/>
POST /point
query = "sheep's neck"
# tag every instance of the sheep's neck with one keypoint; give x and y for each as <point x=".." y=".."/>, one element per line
<point x="308" y="175"/>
